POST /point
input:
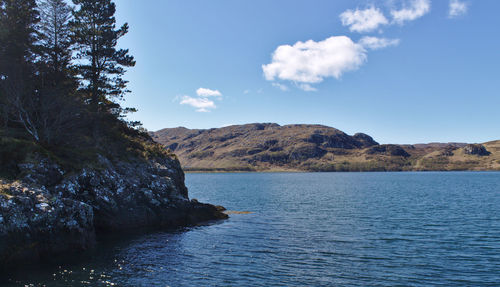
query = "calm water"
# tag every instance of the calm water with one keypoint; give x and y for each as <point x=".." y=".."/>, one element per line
<point x="314" y="229"/>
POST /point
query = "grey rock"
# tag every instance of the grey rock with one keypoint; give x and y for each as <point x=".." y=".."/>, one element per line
<point x="476" y="149"/>
<point x="49" y="212"/>
<point x="388" y="149"/>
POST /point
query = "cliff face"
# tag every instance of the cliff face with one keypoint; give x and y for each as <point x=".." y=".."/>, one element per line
<point x="49" y="211"/>
<point x="268" y="147"/>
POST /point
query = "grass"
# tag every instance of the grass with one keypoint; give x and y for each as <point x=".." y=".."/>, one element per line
<point x="5" y="189"/>
<point x="14" y="151"/>
<point x="433" y="163"/>
<point x="118" y="143"/>
<point x="387" y="164"/>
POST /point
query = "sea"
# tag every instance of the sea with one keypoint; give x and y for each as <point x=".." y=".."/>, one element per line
<point x="308" y="229"/>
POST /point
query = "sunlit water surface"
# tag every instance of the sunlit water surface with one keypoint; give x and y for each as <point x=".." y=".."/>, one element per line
<point x="311" y="229"/>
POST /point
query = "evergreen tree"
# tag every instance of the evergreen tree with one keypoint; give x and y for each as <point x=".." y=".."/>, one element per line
<point x="42" y="90"/>
<point x="55" y="35"/>
<point x="59" y="108"/>
<point x="100" y="64"/>
<point x="18" y="50"/>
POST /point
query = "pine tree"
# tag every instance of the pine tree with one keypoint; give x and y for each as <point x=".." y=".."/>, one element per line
<point x="59" y="110"/>
<point x="55" y="37"/>
<point x="18" y="50"/>
<point x="100" y="64"/>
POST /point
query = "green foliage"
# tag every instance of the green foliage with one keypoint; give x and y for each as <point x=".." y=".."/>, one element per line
<point x="100" y="65"/>
<point x="58" y="108"/>
<point x="18" y="51"/>
<point x="55" y="35"/>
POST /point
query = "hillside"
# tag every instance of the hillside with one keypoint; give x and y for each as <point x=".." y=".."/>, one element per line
<point x="271" y="147"/>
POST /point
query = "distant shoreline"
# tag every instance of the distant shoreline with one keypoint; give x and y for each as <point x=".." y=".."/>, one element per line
<point x="269" y="147"/>
<point x="305" y="171"/>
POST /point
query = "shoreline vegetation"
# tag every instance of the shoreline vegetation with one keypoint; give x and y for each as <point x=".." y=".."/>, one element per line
<point x="72" y="167"/>
<point x="269" y="147"/>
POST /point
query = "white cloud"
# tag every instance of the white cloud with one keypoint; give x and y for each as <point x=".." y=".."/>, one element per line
<point x="375" y="43"/>
<point x="280" y="86"/>
<point x="363" y="20"/>
<point x="201" y="104"/>
<point x="416" y="9"/>
<point x="307" y="88"/>
<point x="311" y="62"/>
<point x="246" y="92"/>
<point x="202" y="92"/>
<point x="457" y="8"/>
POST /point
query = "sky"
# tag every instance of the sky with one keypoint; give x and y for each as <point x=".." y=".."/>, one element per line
<point x="402" y="71"/>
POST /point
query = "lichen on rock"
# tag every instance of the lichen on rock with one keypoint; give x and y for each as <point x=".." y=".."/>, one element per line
<point x="49" y="211"/>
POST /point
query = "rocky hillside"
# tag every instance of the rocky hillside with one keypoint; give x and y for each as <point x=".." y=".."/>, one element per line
<point x="271" y="147"/>
<point x="47" y="209"/>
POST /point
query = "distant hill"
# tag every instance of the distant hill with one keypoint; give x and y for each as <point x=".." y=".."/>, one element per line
<point x="271" y="147"/>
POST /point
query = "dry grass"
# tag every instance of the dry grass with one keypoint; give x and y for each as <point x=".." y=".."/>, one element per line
<point x="5" y="189"/>
<point x="270" y="147"/>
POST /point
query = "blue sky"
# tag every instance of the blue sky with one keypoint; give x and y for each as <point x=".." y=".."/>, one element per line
<point x="402" y="71"/>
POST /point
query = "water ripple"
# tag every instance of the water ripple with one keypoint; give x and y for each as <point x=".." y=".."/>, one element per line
<point x="319" y="229"/>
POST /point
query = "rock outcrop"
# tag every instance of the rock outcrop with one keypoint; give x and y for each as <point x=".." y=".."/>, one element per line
<point x="448" y="150"/>
<point x="476" y="149"/>
<point x="388" y="149"/>
<point x="364" y="140"/>
<point x="49" y="211"/>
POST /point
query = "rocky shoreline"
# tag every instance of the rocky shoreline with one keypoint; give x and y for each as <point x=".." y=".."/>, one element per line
<point x="48" y="211"/>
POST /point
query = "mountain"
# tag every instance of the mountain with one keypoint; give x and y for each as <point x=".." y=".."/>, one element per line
<point x="301" y="147"/>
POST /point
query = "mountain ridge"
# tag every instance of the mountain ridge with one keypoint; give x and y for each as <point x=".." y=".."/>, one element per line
<point x="313" y="147"/>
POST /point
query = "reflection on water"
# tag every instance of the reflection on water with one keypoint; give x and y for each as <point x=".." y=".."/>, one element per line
<point x="311" y="229"/>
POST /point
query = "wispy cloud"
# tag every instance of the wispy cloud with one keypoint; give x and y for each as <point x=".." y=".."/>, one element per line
<point x="307" y="88"/>
<point x="457" y="8"/>
<point x="413" y="11"/>
<point x="311" y="62"/>
<point x="203" y="92"/>
<point x="374" y="43"/>
<point x="201" y="104"/>
<point x="365" y="20"/>
<point x="280" y="86"/>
